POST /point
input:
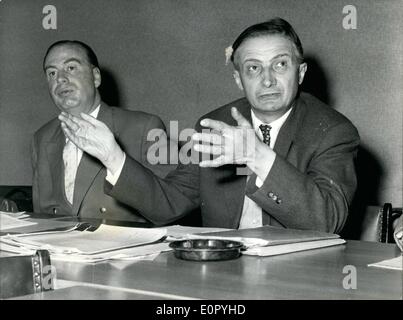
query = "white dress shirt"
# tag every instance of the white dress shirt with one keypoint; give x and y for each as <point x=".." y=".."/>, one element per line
<point x="251" y="212"/>
<point x="74" y="161"/>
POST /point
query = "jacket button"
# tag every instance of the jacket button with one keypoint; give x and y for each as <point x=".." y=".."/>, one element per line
<point x="102" y="210"/>
<point x="275" y="198"/>
<point x="54" y="210"/>
<point x="279" y="201"/>
<point x="270" y="194"/>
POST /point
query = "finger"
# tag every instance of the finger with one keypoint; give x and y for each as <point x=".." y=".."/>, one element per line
<point x="70" y="123"/>
<point x="214" y="124"/>
<point x="214" y="150"/>
<point x="217" y="162"/>
<point x="82" y="122"/>
<point x="239" y="118"/>
<point x="70" y="134"/>
<point x="208" y="138"/>
<point x="92" y="120"/>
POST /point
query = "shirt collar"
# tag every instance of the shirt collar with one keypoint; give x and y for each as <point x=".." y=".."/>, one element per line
<point x="275" y="125"/>
<point x="95" y="112"/>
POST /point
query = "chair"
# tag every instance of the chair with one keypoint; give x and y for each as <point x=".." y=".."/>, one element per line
<point x="22" y="275"/>
<point x="8" y="205"/>
<point x="16" y="198"/>
<point x="377" y="223"/>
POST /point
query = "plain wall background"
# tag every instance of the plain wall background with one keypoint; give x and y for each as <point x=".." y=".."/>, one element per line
<point x="167" y="57"/>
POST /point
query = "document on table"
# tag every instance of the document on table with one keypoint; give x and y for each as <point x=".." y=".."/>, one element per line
<point x="270" y="241"/>
<point x="10" y="221"/>
<point x="178" y="232"/>
<point x="273" y="250"/>
<point x="74" y="245"/>
<point x="18" y="215"/>
<point x="394" y="263"/>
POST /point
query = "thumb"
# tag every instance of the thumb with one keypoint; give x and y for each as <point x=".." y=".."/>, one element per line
<point x="240" y="119"/>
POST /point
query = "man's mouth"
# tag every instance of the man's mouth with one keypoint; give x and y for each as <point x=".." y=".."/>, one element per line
<point x="64" y="92"/>
<point x="269" y="96"/>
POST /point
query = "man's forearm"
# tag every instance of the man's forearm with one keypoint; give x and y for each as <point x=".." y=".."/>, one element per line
<point x="159" y="200"/>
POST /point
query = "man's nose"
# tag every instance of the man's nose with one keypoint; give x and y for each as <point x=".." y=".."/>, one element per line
<point x="61" y="77"/>
<point x="268" y="79"/>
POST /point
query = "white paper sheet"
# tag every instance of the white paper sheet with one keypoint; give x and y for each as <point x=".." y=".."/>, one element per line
<point x="394" y="264"/>
<point x="273" y="250"/>
<point x="178" y="232"/>
<point x="18" y="215"/>
<point x="9" y="222"/>
<point x="105" y="238"/>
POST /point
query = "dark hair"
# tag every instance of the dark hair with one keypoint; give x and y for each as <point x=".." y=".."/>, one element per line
<point x="92" y="57"/>
<point x="273" y="26"/>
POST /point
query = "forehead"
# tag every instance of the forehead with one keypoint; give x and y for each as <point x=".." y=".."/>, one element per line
<point x="265" y="47"/>
<point x="65" y="52"/>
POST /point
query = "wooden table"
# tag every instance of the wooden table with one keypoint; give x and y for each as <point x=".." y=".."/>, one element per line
<point x="313" y="274"/>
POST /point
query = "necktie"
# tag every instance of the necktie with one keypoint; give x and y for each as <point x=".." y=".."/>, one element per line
<point x="70" y="160"/>
<point x="265" y="128"/>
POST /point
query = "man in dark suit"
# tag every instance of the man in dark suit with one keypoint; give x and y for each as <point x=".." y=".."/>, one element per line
<point x="300" y="152"/>
<point x="67" y="181"/>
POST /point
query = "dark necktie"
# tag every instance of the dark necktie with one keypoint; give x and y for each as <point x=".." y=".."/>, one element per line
<point x="265" y="128"/>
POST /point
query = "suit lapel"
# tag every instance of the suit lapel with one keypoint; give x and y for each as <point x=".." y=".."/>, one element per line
<point x="54" y="151"/>
<point x="287" y="133"/>
<point x="89" y="167"/>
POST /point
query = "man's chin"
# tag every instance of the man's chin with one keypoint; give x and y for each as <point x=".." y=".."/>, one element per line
<point x="271" y="110"/>
<point x="269" y="107"/>
<point x="74" y="110"/>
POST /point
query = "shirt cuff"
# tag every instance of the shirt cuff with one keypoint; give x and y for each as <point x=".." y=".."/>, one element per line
<point x="259" y="182"/>
<point x="113" y="178"/>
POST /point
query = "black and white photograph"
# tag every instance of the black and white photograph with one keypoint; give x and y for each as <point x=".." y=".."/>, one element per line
<point x="193" y="156"/>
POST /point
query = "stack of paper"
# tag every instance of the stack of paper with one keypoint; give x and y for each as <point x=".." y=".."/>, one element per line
<point x="106" y="242"/>
<point x="10" y="220"/>
<point x="269" y="241"/>
<point x="112" y="242"/>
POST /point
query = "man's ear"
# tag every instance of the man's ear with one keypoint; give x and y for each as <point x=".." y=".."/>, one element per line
<point x="237" y="78"/>
<point x="97" y="77"/>
<point x="301" y="73"/>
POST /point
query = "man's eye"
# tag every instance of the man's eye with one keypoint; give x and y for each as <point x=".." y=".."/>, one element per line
<point x="52" y="74"/>
<point x="253" y="69"/>
<point x="71" y="68"/>
<point x="281" y="65"/>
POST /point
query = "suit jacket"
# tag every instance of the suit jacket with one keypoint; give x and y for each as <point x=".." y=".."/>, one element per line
<point x="310" y="186"/>
<point x="130" y="129"/>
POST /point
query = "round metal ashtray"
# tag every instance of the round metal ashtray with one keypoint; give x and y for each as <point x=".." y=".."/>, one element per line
<point x="206" y="249"/>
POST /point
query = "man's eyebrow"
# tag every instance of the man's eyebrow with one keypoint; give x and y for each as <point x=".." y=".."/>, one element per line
<point x="280" y="55"/>
<point x="72" y="60"/>
<point x="64" y="62"/>
<point x="48" y="67"/>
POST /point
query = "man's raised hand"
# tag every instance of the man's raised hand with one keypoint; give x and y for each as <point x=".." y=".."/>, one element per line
<point x="94" y="137"/>
<point x="231" y="145"/>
